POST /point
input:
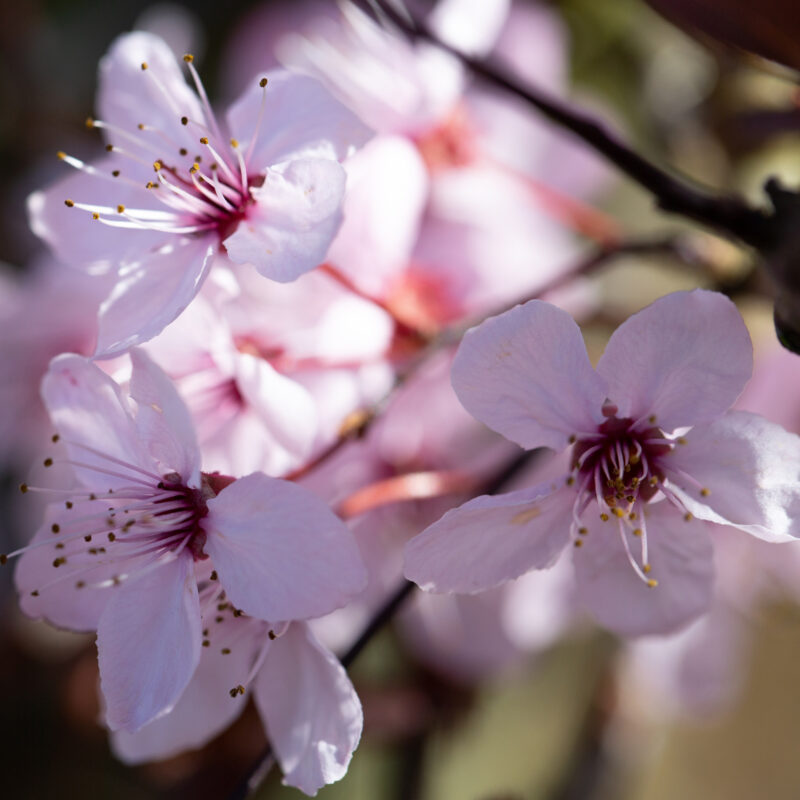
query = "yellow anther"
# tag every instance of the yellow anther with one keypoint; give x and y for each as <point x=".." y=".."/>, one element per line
<point x="652" y="419"/>
<point x="95" y="215"/>
<point x="652" y="583"/>
<point x="618" y="512"/>
<point x="69" y="203"/>
<point x="188" y="58"/>
<point x="57" y="562"/>
<point x="120" y="209"/>
<point x="572" y="439"/>
<point x="23" y="487"/>
<point x="144" y="65"/>
<point x="632" y="515"/>
<point x="140" y="126"/>
<point x="157" y="165"/>
<point x="682" y="440"/>
<point x="89" y="123"/>
<point x="150" y="185"/>
<point x="604" y="517"/>
<point x="263" y="82"/>
<point x="688" y="516"/>
<point x="194" y="168"/>
<point x="637" y="531"/>
<point x="578" y="543"/>
<point x="570" y="481"/>
<point x="61" y="154"/>
<point x="204" y="140"/>
<point x="234" y="142"/>
<point x="646" y="568"/>
<point x="583" y="531"/>
<point x="705" y="492"/>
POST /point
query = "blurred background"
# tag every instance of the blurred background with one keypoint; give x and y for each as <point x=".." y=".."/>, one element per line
<point x="588" y="717"/>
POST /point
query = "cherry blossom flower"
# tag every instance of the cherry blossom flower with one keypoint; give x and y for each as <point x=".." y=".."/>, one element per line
<point x="178" y="189"/>
<point x="308" y="705"/>
<point x="124" y="550"/>
<point x="655" y="454"/>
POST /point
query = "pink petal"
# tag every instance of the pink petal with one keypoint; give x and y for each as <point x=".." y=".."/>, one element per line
<point x="280" y="552"/>
<point x="58" y="597"/>
<point x="751" y="469"/>
<point x="685" y="359"/>
<point x="283" y="406"/>
<point x="471" y="26"/>
<point x="681" y="557"/>
<point x="129" y="95"/>
<point x="310" y="709"/>
<point x="205" y="709"/>
<point x="76" y="238"/>
<point x="148" y="644"/>
<point x="148" y="297"/>
<point x="163" y="420"/>
<point x="88" y="410"/>
<point x="301" y="120"/>
<point x="491" y="540"/>
<point x="297" y="213"/>
<point x="526" y="375"/>
<point x="380" y="227"/>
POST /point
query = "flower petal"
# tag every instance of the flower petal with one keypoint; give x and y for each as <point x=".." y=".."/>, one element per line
<point x="681" y="556"/>
<point x="297" y="213"/>
<point x="310" y="709"/>
<point x="205" y="709"/>
<point x="750" y="468"/>
<point x="280" y="552"/>
<point x="152" y="294"/>
<point x="148" y="644"/>
<point x="526" y="375"/>
<point x="163" y="420"/>
<point x="88" y="411"/>
<point x="72" y="234"/>
<point x="491" y="540"/>
<point x="380" y="227"/>
<point x="300" y="119"/>
<point x="158" y="96"/>
<point x="684" y="359"/>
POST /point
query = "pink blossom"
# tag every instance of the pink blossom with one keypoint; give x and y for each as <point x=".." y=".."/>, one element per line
<point x="655" y="452"/>
<point x="121" y="551"/>
<point x="307" y="703"/>
<point x="179" y="190"/>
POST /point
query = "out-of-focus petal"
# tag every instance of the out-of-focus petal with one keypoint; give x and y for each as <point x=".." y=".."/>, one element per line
<point x="310" y="709"/>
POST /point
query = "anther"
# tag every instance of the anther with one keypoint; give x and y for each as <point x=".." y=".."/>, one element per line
<point x="204" y="140"/>
<point x="632" y="515"/>
<point x="604" y="517"/>
<point x="263" y="82"/>
<point x="35" y="593"/>
<point x="206" y="643"/>
<point x="646" y="568"/>
<point x="272" y="635"/>
<point x="55" y="528"/>
<point x="226" y="651"/>
<point x="184" y="121"/>
<point x="95" y="216"/>
<point x="109" y="148"/>
<point x="637" y="531"/>
<point x="115" y="173"/>
<point x="120" y="209"/>
<point x="111" y="536"/>
<point x="144" y="65"/>
<point x="618" y="512"/>
<point x="683" y="440"/>
<point x="69" y="203"/>
<point x="188" y="58"/>
<point x="652" y="583"/>
<point x="652" y="419"/>
<point x="156" y="165"/>
<point x="68" y="504"/>
<point x="89" y="123"/>
<point x="80" y="584"/>
<point x="570" y="480"/>
<point x="583" y="531"/>
<point x="57" y="562"/>
<point x="234" y="142"/>
<point x="23" y="487"/>
<point x="60" y="546"/>
<point x="705" y="492"/>
<point x="48" y="462"/>
<point x="3" y="558"/>
<point x="578" y="543"/>
<point x="140" y="126"/>
<point x="688" y="517"/>
<point x="61" y="154"/>
<point x="213" y="576"/>
<point x="87" y="538"/>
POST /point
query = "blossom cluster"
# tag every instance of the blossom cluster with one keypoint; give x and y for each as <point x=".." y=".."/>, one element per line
<point x="229" y="301"/>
